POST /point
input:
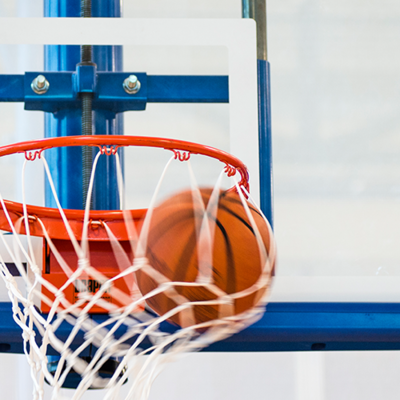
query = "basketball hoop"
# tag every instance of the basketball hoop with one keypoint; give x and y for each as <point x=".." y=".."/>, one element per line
<point x="116" y="279"/>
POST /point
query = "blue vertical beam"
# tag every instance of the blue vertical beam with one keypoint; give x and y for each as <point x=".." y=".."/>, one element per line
<point x="265" y="139"/>
<point x="107" y="58"/>
<point x="256" y="9"/>
<point x="66" y="163"/>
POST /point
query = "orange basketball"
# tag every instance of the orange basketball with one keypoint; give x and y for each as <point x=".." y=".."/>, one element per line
<point x="236" y="263"/>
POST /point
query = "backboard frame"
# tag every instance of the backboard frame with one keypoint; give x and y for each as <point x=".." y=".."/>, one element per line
<point x="285" y="326"/>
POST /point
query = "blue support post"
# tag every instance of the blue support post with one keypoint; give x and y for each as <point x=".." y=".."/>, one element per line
<point x="66" y="163"/>
<point x="256" y="9"/>
<point x="265" y="139"/>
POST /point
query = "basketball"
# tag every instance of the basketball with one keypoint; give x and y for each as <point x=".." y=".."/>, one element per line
<point x="172" y="250"/>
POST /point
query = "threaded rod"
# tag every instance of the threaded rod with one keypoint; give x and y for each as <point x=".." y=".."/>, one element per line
<point x="87" y="119"/>
<point x="86" y="8"/>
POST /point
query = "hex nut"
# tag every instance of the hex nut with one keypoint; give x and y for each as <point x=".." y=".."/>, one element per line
<point x="40" y="84"/>
<point x="131" y="84"/>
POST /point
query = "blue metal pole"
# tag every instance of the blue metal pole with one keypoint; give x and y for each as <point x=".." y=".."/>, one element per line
<point x="265" y="139"/>
<point x="66" y="164"/>
<point x="256" y="9"/>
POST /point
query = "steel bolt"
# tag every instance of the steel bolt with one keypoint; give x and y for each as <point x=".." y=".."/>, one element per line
<point x="131" y="84"/>
<point x="40" y="84"/>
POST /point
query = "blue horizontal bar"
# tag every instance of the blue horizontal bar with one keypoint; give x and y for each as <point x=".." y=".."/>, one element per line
<point x="320" y="326"/>
<point x="109" y="92"/>
<point x="284" y="327"/>
<point x="188" y="89"/>
<point x="12" y="88"/>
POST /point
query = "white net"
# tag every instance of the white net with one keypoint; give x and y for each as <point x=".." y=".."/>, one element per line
<point x="127" y="343"/>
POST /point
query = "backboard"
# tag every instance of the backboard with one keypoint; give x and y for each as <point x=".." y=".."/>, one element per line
<point x="229" y="44"/>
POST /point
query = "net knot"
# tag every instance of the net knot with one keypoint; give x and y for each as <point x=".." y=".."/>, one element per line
<point x="26" y="335"/>
<point x="83" y="263"/>
<point x="15" y="309"/>
<point x="167" y="287"/>
<point x="35" y="269"/>
<point x="140" y="262"/>
<point x="204" y="280"/>
<point x="226" y="300"/>
<point x="59" y="294"/>
<point x="28" y="305"/>
<point x="46" y="326"/>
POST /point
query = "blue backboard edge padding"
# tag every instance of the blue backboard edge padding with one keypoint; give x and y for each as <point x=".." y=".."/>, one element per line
<point x="284" y="327"/>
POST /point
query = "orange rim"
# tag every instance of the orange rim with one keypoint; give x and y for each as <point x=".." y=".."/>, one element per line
<point x="108" y="145"/>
